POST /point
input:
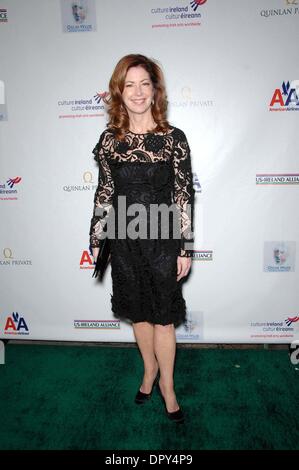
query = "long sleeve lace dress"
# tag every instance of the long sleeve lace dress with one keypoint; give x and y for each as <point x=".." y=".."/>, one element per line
<point x="136" y="176"/>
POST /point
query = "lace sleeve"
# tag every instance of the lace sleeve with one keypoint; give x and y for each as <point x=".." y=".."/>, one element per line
<point x="104" y="192"/>
<point x="183" y="191"/>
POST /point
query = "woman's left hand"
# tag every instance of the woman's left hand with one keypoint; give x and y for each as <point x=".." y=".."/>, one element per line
<point x="183" y="266"/>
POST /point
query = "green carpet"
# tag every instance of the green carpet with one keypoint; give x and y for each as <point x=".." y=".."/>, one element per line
<point x="77" y="397"/>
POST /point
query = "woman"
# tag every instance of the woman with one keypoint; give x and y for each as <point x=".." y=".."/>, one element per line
<point x="145" y="160"/>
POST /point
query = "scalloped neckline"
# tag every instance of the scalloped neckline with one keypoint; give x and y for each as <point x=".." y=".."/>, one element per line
<point x="141" y="133"/>
<point x="145" y="133"/>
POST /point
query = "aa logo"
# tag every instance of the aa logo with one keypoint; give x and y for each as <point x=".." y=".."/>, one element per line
<point x="287" y="96"/>
<point x="15" y="324"/>
<point x="86" y="261"/>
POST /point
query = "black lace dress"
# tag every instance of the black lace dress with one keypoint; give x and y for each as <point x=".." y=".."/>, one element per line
<point x="146" y="170"/>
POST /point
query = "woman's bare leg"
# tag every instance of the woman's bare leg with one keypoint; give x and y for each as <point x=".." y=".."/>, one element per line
<point x="165" y="349"/>
<point x="144" y="334"/>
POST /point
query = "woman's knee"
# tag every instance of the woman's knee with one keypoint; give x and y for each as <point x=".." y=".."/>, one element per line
<point x="165" y="328"/>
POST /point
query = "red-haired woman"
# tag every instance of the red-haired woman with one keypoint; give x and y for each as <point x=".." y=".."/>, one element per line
<point x="145" y="160"/>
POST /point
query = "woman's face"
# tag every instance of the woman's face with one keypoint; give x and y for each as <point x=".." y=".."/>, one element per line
<point x="138" y="91"/>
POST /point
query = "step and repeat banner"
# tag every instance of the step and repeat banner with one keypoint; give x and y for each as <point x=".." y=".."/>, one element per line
<point x="232" y="81"/>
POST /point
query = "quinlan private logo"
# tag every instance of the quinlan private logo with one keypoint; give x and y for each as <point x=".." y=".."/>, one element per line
<point x="291" y="320"/>
<point x="16" y="325"/>
<point x="100" y="96"/>
<point x="286" y="98"/>
<point x="196" y="3"/>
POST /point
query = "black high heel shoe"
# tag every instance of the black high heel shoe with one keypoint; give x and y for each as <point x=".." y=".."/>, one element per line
<point x="175" y="416"/>
<point x="141" y="397"/>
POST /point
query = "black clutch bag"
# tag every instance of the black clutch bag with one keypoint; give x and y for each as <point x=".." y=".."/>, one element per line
<point x="102" y="259"/>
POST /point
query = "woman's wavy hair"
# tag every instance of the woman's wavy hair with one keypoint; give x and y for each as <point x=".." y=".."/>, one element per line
<point x="119" y="118"/>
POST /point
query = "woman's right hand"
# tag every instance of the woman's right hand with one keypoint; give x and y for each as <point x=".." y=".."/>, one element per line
<point x="95" y="252"/>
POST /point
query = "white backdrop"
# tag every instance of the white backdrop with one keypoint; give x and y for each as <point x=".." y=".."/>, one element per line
<point x="223" y="63"/>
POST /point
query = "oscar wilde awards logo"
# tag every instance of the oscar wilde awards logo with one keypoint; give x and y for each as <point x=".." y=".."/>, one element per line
<point x="192" y="328"/>
<point x="78" y="16"/>
<point x="3" y="15"/>
<point x="279" y="256"/>
<point x="178" y="14"/>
